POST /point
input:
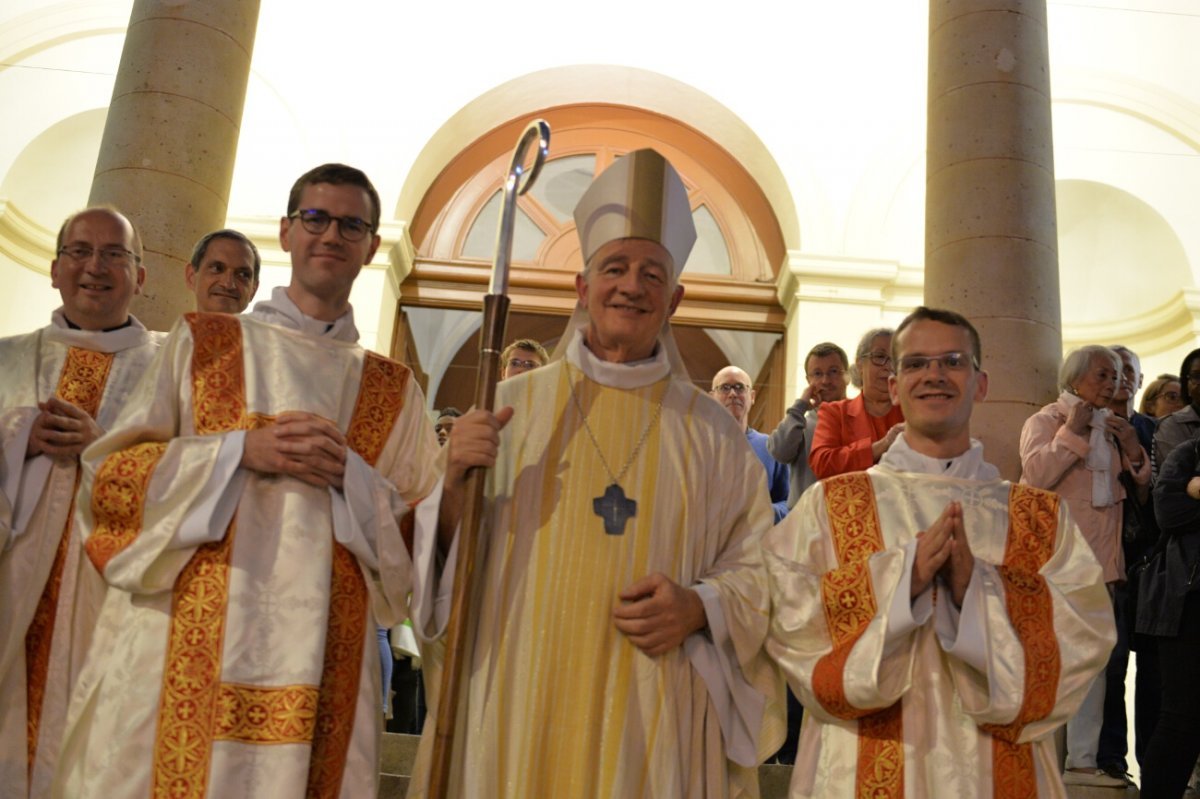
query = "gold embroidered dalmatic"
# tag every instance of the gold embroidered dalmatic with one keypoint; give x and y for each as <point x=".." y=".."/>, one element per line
<point x="49" y="593"/>
<point x="959" y="704"/>
<point x="242" y="660"/>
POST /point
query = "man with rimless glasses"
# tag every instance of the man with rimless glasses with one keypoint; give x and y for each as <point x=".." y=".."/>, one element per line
<point x="63" y="387"/>
<point x="247" y="521"/>
<point x="937" y="622"/>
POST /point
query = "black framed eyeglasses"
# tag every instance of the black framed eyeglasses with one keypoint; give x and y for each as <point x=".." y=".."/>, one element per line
<point x="316" y="222"/>
<point x="732" y="388"/>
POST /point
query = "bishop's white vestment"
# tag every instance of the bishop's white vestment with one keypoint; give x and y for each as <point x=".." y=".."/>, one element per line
<point x="559" y="702"/>
<point x="49" y="593"/>
<point x="912" y="697"/>
<point x="237" y="651"/>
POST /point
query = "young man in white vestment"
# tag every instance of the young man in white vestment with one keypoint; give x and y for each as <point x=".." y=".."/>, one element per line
<point x="938" y="623"/>
<point x="246" y="517"/>
<point x="619" y="642"/>
<point x="63" y="387"/>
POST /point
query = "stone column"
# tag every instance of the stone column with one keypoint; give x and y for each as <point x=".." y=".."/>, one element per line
<point x="991" y="237"/>
<point x="167" y="155"/>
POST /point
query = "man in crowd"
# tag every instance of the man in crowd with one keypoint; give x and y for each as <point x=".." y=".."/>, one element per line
<point x="825" y="367"/>
<point x="63" y="387"/>
<point x="246" y="517"/>
<point x="223" y="272"/>
<point x="521" y="356"/>
<point x="937" y="622"/>
<point x="623" y="594"/>
<point x="731" y="387"/>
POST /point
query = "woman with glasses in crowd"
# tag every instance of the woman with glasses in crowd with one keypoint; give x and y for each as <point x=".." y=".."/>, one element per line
<point x="1184" y="424"/>
<point x="1077" y="447"/>
<point x="1162" y="397"/>
<point x="853" y="434"/>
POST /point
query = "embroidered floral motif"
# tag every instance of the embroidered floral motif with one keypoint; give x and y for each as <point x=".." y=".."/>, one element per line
<point x="257" y="715"/>
<point x="119" y="499"/>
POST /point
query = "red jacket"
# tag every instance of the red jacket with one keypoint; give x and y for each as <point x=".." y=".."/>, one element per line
<point x="844" y="435"/>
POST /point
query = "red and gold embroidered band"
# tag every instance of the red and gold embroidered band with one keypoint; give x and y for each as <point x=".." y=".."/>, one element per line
<point x="81" y="383"/>
<point x="380" y="400"/>
<point x="850" y="605"/>
<point x="1032" y="529"/>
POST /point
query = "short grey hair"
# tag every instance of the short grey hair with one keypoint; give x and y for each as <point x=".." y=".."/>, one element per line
<point x="1078" y="361"/>
<point x="864" y="349"/>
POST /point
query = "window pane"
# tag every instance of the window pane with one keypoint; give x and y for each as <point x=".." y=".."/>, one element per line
<point x="562" y="182"/>
<point x="481" y="241"/>
<point x="710" y="256"/>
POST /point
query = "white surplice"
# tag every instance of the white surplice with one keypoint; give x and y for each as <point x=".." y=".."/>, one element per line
<point x="559" y="703"/>
<point x="915" y="697"/>
<point x="49" y="593"/>
<point x="237" y="652"/>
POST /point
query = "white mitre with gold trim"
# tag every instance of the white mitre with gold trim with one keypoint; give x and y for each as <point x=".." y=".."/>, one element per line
<point x="639" y="196"/>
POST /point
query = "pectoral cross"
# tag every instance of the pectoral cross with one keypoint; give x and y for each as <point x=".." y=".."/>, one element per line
<point x="615" y="509"/>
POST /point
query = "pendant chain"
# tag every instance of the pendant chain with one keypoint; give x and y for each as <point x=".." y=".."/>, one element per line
<point x="604" y="461"/>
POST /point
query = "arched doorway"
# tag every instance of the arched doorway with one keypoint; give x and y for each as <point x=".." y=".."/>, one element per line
<point x="729" y="279"/>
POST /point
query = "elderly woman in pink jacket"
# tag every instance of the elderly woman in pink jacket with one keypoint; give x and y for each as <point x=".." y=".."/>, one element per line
<point x="1077" y="447"/>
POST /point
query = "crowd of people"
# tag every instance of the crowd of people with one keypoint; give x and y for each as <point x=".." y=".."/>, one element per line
<point x="227" y="548"/>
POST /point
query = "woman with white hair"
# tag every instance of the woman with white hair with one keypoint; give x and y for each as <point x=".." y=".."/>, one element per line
<point x="1077" y="447"/>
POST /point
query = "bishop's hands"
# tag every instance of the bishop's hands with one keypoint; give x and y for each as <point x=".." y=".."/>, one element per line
<point x="61" y="431"/>
<point x="943" y="550"/>
<point x="301" y="445"/>
<point x="474" y="441"/>
<point x="657" y="613"/>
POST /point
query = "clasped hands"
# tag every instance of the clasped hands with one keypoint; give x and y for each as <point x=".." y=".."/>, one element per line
<point x="943" y="550"/>
<point x="61" y="430"/>
<point x="301" y="445"/>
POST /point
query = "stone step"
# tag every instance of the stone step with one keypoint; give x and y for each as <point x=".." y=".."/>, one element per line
<point x="398" y="752"/>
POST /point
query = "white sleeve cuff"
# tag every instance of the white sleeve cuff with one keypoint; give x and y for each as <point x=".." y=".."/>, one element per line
<point x="739" y="706"/>
<point x="906" y="613"/>
<point x="433" y="581"/>
<point x="354" y="517"/>
<point x="962" y="633"/>
<point x="24" y="480"/>
<point x="217" y="501"/>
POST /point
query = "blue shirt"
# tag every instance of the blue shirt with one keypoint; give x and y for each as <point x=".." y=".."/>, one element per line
<point x="777" y="473"/>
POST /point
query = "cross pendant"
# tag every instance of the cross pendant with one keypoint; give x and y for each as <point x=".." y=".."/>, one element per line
<point x="614" y="508"/>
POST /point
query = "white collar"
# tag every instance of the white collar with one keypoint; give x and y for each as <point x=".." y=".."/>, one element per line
<point x="970" y="465"/>
<point x="616" y="375"/>
<point x="123" y="338"/>
<point x="280" y="310"/>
